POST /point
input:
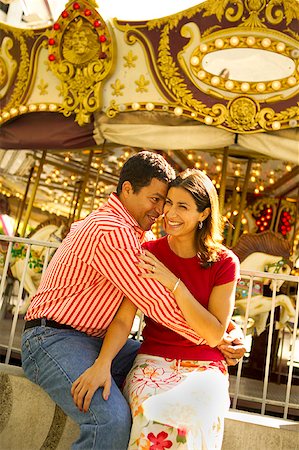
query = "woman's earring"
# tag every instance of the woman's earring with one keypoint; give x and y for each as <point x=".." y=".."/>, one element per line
<point x="200" y="224"/>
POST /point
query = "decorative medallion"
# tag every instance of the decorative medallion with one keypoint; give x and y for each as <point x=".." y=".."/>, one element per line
<point x="81" y="56"/>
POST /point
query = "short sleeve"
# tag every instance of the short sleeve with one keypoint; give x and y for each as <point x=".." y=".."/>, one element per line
<point x="227" y="269"/>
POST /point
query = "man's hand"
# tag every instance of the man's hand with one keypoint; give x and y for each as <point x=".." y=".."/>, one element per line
<point x="233" y="346"/>
<point x="86" y="385"/>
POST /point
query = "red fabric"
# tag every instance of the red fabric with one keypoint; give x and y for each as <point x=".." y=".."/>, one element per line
<point x="200" y="283"/>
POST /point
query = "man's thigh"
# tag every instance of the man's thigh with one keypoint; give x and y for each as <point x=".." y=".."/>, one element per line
<point x="55" y="358"/>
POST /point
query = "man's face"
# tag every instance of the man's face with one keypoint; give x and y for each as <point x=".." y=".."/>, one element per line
<point x="147" y="204"/>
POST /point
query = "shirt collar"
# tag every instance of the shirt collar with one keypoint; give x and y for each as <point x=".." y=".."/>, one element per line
<point x="115" y="204"/>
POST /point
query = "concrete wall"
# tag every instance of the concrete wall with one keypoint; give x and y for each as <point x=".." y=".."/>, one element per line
<point x="29" y="420"/>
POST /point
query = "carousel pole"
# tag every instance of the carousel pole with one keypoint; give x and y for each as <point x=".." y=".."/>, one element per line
<point x="223" y="180"/>
<point x="82" y="196"/>
<point x="33" y="193"/>
<point x="232" y="217"/>
<point x="23" y="203"/>
<point x="242" y="203"/>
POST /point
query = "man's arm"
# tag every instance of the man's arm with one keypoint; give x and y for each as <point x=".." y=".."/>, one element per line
<point x="99" y="374"/>
<point x="116" y="257"/>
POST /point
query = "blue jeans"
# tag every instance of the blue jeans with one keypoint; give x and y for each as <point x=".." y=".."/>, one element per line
<point x="54" y="358"/>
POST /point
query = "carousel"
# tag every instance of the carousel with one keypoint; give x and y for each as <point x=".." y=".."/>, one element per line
<point x="83" y="86"/>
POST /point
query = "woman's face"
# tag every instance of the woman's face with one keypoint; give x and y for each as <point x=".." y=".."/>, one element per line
<point x="181" y="216"/>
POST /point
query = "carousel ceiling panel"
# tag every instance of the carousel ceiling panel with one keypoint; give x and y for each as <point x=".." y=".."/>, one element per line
<point x="186" y="65"/>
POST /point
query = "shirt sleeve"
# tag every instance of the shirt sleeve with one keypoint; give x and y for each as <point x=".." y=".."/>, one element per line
<point x="116" y="257"/>
<point x="227" y="269"/>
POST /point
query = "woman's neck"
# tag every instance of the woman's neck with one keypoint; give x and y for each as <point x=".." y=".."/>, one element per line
<point x="184" y="248"/>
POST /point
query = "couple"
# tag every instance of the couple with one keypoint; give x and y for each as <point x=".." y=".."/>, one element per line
<point x="97" y="279"/>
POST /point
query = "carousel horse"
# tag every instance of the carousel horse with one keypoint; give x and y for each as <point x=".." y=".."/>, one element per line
<point x="264" y="252"/>
<point x="48" y="232"/>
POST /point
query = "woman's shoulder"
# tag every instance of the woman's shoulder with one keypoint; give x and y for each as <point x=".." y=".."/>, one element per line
<point x="225" y="254"/>
<point x="155" y="244"/>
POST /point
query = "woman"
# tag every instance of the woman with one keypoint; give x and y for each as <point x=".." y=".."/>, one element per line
<point x="166" y="385"/>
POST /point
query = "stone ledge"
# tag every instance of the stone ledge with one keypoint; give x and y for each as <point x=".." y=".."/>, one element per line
<point x="29" y="420"/>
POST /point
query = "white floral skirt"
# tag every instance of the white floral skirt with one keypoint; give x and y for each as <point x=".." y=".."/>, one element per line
<point x="177" y="404"/>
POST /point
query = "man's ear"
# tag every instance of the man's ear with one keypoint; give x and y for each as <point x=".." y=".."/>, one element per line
<point x="126" y="188"/>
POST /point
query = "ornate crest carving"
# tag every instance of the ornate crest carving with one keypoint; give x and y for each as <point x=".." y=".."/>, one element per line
<point x="80" y="55"/>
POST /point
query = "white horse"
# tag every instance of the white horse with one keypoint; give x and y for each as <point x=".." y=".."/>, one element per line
<point x="260" y="305"/>
<point x="38" y="254"/>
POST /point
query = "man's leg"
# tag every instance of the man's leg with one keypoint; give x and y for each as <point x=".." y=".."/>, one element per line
<point x="54" y="358"/>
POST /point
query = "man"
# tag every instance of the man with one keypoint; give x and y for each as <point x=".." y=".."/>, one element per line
<point x="92" y="270"/>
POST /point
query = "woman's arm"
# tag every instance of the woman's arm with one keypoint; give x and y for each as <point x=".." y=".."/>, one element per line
<point x="99" y="375"/>
<point x="211" y="324"/>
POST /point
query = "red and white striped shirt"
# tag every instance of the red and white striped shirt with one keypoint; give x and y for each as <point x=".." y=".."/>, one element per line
<point x="92" y="270"/>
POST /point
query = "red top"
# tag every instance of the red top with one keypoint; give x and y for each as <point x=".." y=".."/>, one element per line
<point x="161" y="341"/>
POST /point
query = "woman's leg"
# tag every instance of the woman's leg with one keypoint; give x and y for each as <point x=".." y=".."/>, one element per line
<point x="186" y="399"/>
<point x="54" y="358"/>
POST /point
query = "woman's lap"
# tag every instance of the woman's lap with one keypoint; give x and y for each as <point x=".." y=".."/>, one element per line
<point x="173" y="401"/>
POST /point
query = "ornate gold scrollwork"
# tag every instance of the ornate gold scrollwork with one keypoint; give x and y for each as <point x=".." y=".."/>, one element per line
<point x="80" y="53"/>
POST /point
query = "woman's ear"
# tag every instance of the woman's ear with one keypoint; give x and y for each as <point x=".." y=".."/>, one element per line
<point x="206" y="212"/>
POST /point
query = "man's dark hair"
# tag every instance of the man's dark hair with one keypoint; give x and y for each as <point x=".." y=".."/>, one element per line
<point x="142" y="167"/>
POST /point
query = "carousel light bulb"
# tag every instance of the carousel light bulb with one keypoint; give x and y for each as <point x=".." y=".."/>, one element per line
<point x="215" y="81"/>
<point x="257" y="172"/>
<point x="237" y="173"/>
<point x="234" y="41"/>
<point x="23" y="109"/>
<point x="261" y="187"/>
<point x="276" y="85"/>
<point x="178" y="111"/>
<point x="256" y="191"/>
<point x="250" y="40"/>
<point x="214" y="181"/>
<point x="266" y="42"/>
<point x="228" y="214"/>
<point x="217" y="185"/>
<point x="203" y="48"/>
<point x="271" y="181"/>
<point x="260" y="87"/>
<point x="288" y="168"/>
<point x="218" y="168"/>
<point x="67" y="158"/>
<point x="292" y="81"/>
<point x="52" y="107"/>
<point x="245" y="87"/>
<point x="238" y="188"/>
<point x="13" y="111"/>
<point x="190" y="156"/>
<point x="194" y="61"/>
<point x="32" y="108"/>
<point x="280" y="47"/>
<point x="201" y="74"/>
<point x="197" y="165"/>
<point x="208" y="120"/>
<point x="73" y="177"/>
<point x="244" y="221"/>
<point x="135" y="106"/>
<point x="229" y="84"/>
<point x="235" y="212"/>
<point x="276" y="125"/>
<point x="149" y="106"/>
<point x="293" y="123"/>
<point x="42" y="107"/>
<point x="219" y="43"/>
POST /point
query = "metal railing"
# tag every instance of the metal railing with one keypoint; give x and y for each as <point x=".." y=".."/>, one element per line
<point x="263" y="400"/>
